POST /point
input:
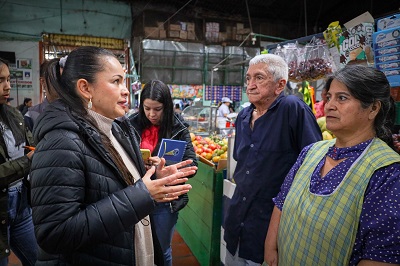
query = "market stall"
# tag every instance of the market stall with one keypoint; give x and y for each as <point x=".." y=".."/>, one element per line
<point x="200" y="221"/>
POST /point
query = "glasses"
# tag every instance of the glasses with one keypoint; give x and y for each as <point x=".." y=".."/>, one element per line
<point x="257" y="79"/>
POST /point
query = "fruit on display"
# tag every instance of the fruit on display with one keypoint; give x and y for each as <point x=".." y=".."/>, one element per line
<point x="326" y="134"/>
<point x="322" y="123"/>
<point x="212" y="148"/>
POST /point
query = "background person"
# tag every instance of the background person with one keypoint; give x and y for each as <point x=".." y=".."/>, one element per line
<point x="223" y="111"/>
<point x="177" y="109"/>
<point x="339" y="203"/>
<point x="270" y="133"/>
<point x="23" y="108"/>
<point x="91" y="194"/>
<point x="16" y="225"/>
<point x="319" y="106"/>
<point x="50" y="95"/>
<point x="154" y="121"/>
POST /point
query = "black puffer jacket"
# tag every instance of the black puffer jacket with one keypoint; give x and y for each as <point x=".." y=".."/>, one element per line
<point x="82" y="208"/>
<point x="11" y="171"/>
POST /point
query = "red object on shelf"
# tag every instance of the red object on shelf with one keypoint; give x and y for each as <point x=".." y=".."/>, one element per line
<point x="229" y="124"/>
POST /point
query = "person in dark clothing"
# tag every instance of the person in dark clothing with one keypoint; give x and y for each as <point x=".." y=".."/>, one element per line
<point x="154" y="121"/>
<point x="23" y="108"/>
<point x="16" y="226"/>
<point x="50" y="94"/>
<point x="270" y="134"/>
<point x="177" y="109"/>
<point x="91" y="193"/>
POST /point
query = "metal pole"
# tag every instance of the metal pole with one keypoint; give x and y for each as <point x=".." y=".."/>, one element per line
<point x="16" y="86"/>
<point x="305" y="16"/>
<point x="212" y="118"/>
<point x="213" y="125"/>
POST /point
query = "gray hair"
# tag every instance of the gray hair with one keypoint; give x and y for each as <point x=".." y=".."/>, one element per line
<point x="275" y="65"/>
<point x="369" y="85"/>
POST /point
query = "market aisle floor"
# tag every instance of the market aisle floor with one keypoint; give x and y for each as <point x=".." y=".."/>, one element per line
<point x="181" y="254"/>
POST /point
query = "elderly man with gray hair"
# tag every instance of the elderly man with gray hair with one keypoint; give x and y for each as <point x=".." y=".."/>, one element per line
<point x="270" y="133"/>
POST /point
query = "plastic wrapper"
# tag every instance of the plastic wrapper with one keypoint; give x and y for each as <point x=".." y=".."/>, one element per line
<point x="317" y="64"/>
<point x="292" y="56"/>
<point x="308" y="63"/>
<point x="332" y="34"/>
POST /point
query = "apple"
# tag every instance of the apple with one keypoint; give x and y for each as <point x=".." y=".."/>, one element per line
<point x="212" y="146"/>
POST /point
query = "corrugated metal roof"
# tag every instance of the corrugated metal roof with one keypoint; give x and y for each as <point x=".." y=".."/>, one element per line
<point x="319" y="12"/>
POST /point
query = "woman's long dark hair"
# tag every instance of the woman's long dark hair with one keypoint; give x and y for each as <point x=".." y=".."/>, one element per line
<point x="157" y="90"/>
<point x="10" y="119"/>
<point x="84" y="63"/>
<point x="45" y="68"/>
<point x="369" y="85"/>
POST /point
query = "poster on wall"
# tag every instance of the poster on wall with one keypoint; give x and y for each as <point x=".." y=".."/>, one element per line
<point x="21" y="74"/>
<point x="186" y="91"/>
<point x="215" y="93"/>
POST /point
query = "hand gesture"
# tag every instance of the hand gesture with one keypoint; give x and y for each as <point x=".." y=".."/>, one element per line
<point x="155" y="160"/>
<point x="165" y="188"/>
<point x="162" y="171"/>
<point x="396" y="142"/>
<point x="30" y="154"/>
<point x="271" y="257"/>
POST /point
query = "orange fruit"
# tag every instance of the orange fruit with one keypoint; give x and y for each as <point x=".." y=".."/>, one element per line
<point x="216" y="159"/>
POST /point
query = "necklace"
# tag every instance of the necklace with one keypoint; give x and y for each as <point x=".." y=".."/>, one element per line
<point x="261" y="113"/>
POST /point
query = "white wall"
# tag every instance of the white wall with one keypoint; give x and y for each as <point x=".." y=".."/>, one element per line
<point x="25" y="50"/>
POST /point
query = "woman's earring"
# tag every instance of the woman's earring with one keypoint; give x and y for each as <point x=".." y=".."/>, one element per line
<point x="89" y="105"/>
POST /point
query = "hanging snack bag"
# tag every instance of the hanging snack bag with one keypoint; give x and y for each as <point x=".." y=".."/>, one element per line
<point x="356" y="41"/>
<point x="318" y="63"/>
<point x="356" y="45"/>
<point x="332" y="36"/>
<point x="292" y="57"/>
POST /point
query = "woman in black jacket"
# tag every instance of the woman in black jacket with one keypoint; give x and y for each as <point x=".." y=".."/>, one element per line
<point x="91" y="194"/>
<point x="154" y="121"/>
<point x="16" y="227"/>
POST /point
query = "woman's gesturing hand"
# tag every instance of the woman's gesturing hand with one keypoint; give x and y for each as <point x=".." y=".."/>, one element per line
<point x="166" y="188"/>
<point x="162" y="172"/>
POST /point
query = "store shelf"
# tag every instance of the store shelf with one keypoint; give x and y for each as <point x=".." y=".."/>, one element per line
<point x="201" y="119"/>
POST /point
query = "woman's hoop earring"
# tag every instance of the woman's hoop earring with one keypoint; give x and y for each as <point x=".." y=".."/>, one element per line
<point x="90" y="105"/>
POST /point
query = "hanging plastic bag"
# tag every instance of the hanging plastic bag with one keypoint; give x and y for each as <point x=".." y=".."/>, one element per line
<point x="292" y="53"/>
<point x="318" y="63"/>
<point x="332" y="34"/>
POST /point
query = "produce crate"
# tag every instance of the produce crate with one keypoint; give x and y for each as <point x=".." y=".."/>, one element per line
<point x="199" y="222"/>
